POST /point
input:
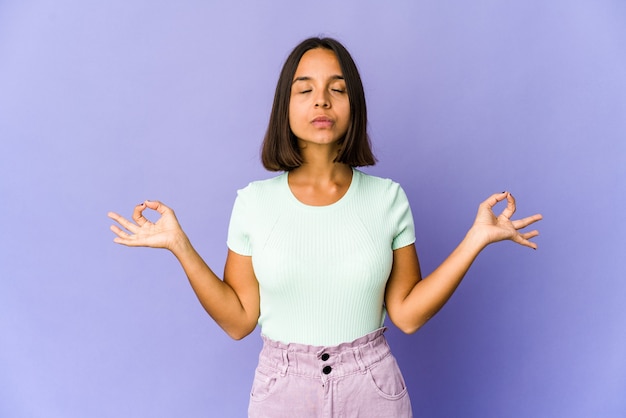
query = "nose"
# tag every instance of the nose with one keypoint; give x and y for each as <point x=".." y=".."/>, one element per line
<point x="321" y="100"/>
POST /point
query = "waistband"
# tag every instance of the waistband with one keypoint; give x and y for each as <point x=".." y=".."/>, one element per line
<point x="327" y="362"/>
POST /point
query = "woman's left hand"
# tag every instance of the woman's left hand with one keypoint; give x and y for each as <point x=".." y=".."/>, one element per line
<point x="494" y="228"/>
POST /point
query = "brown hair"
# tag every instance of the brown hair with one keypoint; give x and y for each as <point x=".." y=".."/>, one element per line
<point x="280" y="151"/>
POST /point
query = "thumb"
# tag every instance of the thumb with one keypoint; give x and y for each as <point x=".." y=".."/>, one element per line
<point x="158" y="206"/>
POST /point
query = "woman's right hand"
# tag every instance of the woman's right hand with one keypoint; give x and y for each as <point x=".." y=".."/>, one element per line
<point x="164" y="233"/>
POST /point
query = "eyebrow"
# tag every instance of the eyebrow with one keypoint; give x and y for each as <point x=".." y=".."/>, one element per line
<point x="307" y="78"/>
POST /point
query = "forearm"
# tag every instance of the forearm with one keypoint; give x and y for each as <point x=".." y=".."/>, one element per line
<point x="217" y="297"/>
<point x="411" y="302"/>
<point x="431" y="293"/>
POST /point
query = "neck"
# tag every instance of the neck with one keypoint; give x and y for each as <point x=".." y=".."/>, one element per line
<point x="320" y="184"/>
<point x="319" y="162"/>
<point x="319" y="159"/>
<point x="321" y="173"/>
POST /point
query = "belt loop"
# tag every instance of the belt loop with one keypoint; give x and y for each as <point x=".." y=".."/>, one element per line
<point x="359" y="359"/>
<point x="285" y="364"/>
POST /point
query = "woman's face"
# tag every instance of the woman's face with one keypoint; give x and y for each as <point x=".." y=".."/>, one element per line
<point x="319" y="107"/>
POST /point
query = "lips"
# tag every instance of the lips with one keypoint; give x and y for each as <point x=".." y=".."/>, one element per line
<point x="322" y="122"/>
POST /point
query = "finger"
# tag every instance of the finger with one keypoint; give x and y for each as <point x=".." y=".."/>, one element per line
<point x="113" y="215"/>
<point x="525" y="241"/>
<point x="529" y="244"/>
<point x="138" y="214"/>
<point x="529" y="235"/>
<point x="123" y="221"/>
<point x="510" y="206"/>
<point x="524" y="238"/>
<point x="158" y="206"/>
<point x="119" y="231"/>
<point x="122" y="237"/>
<point x="493" y="200"/>
<point x="523" y="223"/>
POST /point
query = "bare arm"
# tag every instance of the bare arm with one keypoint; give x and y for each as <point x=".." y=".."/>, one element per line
<point x="233" y="303"/>
<point x="411" y="301"/>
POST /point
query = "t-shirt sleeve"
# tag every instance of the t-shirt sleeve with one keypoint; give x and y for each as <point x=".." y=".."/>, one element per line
<point x="405" y="228"/>
<point x="239" y="227"/>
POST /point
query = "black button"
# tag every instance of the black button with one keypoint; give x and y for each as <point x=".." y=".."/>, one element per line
<point x="325" y="356"/>
<point x="327" y="370"/>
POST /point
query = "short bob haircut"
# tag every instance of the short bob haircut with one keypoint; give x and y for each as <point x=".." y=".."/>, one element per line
<point x="280" y="150"/>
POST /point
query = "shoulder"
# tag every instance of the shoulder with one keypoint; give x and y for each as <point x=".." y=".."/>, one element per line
<point x="379" y="186"/>
<point x="261" y="194"/>
<point x="262" y="187"/>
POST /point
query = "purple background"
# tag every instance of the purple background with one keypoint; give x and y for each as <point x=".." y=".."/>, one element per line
<point x="105" y="104"/>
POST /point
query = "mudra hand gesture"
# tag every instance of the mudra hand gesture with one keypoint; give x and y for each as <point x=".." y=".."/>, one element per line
<point x="164" y="233"/>
<point x="494" y="228"/>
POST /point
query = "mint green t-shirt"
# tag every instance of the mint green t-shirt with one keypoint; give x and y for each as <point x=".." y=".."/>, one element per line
<point x="322" y="270"/>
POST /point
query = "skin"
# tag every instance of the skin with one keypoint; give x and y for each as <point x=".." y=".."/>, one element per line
<point x="319" y="116"/>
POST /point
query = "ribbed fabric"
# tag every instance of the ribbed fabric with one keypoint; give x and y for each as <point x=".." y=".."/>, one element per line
<point x="322" y="270"/>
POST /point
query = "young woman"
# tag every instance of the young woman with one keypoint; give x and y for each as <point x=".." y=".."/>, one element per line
<point x="321" y="253"/>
